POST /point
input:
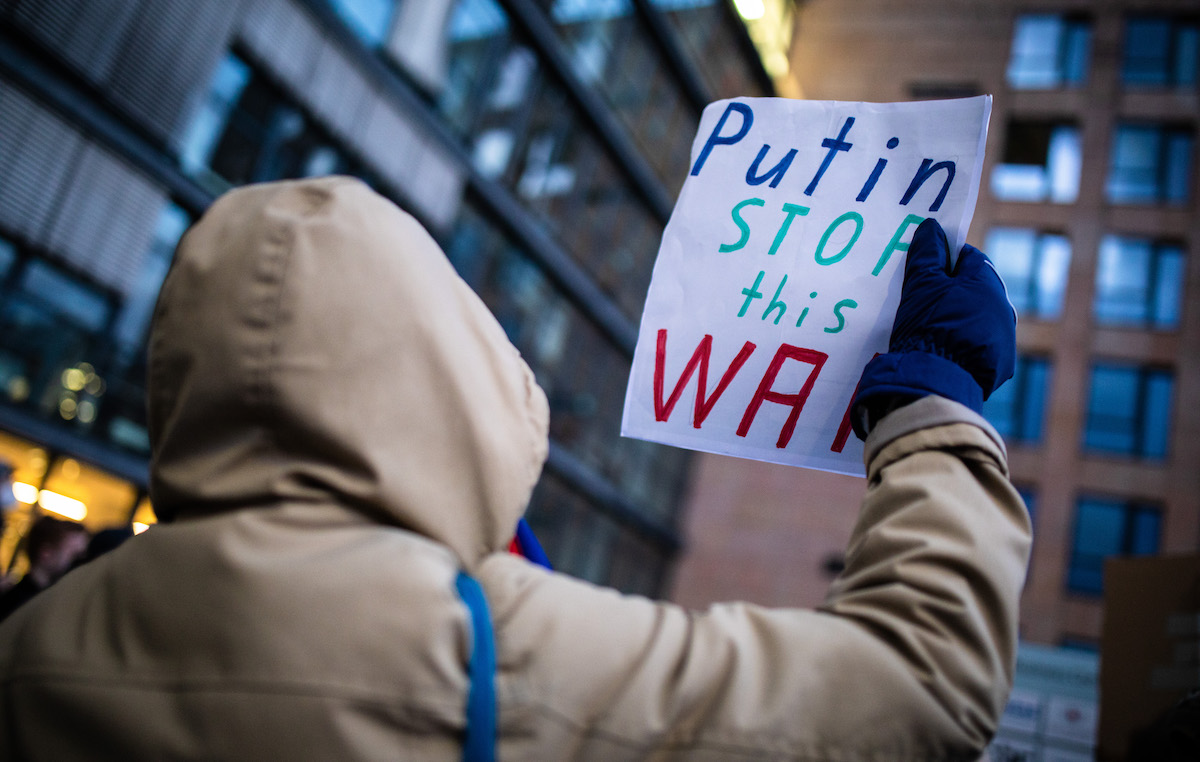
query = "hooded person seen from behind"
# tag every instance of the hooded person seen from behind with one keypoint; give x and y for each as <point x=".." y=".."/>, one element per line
<point x="340" y="429"/>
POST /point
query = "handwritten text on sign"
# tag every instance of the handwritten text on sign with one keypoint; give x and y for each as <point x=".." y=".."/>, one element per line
<point x="779" y="271"/>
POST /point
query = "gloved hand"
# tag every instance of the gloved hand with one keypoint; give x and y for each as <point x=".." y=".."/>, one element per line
<point x="955" y="333"/>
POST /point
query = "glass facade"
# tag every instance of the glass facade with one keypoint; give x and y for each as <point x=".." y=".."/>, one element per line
<point x="369" y="19"/>
<point x="704" y="30"/>
<point x="249" y="130"/>
<point x="212" y="116"/>
<point x="609" y="50"/>
<point x="568" y="142"/>
<point x="582" y="373"/>
<point x="525" y="132"/>
<point x="71" y="349"/>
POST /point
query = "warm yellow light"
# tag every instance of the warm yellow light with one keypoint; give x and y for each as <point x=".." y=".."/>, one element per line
<point x="18" y="389"/>
<point x="139" y="527"/>
<point x="62" y="505"/>
<point x="74" y="379"/>
<point x="25" y="493"/>
<point x="751" y="10"/>
<point x="70" y="468"/>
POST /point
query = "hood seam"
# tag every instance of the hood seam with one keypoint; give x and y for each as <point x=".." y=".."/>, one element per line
<point x="270" y="271"/>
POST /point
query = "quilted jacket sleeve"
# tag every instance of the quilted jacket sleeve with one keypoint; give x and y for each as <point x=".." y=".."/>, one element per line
<point x="910" y="657"/>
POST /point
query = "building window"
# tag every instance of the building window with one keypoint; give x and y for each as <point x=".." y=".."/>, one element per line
<point x="584" y="377"/>
<point x="1105" y="528"/>
<point x="369" y="19"/>
<point x="1033" y="266"/>
<point x="1160" y="51"/>
<point x="51" y="320"/>
<point x="1049" y="51"/>
<point x="200" y="139"/>
<point x="709" y="35"/>
<point x="133" y="319"/>
<point x="1018" y="407"/>
<point x="72" y="351"/>
<point x="1041" y="162"/>
<point x="1129" y="411"/>
<point x="610" y="49"/>
<point x="48" y="290"/>
<point x="487" y="71"/>
<point x="1139" y="282"/>
<point x="1150" y="164"/>
<point x="247" y="130"/>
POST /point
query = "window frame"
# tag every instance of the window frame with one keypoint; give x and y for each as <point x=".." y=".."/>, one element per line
<point x="1063" y="139"/>
<point x="1028" y="406"/>
<point x="1037" y="302"/>
<point x="1071" y="57"/>
<point x="1177" y="29"/>
<point x="1160" y="250"/>
<point x="1080" y="576"/>
<point x="235" y="122"/>
<point x="1141" y="417"/>
<point x="1165" y="135"/>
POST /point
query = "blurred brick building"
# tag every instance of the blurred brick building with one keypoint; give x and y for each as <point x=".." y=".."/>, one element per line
<point x="1088" y="208"/>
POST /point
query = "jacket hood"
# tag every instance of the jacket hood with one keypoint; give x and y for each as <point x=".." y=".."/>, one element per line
<point x="312" y="344"/>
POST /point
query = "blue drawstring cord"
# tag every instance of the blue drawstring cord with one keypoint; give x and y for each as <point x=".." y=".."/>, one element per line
<point x="480" y="742"/>
<point x="479" y="745"/>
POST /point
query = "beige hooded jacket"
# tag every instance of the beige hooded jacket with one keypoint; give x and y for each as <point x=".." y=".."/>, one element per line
<point x="339" y="426"/>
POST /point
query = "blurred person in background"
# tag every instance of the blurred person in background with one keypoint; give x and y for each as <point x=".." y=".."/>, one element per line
<point x="105" y="541"/>
<point x="8" y="500"/>
<point x="53" y="546"/>
<point x="8" y="504"/>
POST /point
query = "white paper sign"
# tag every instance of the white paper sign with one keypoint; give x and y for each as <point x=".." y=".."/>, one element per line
<point x="780" y="269"/>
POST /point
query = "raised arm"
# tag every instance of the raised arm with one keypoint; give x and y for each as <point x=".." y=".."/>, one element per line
<point x="911" y="655"/>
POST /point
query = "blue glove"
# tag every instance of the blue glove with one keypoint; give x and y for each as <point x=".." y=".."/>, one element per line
<point x="955" y="333"/>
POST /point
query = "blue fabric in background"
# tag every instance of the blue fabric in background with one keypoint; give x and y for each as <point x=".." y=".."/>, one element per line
<point x="480" y="742"/>
<point x="529" y="546"/>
